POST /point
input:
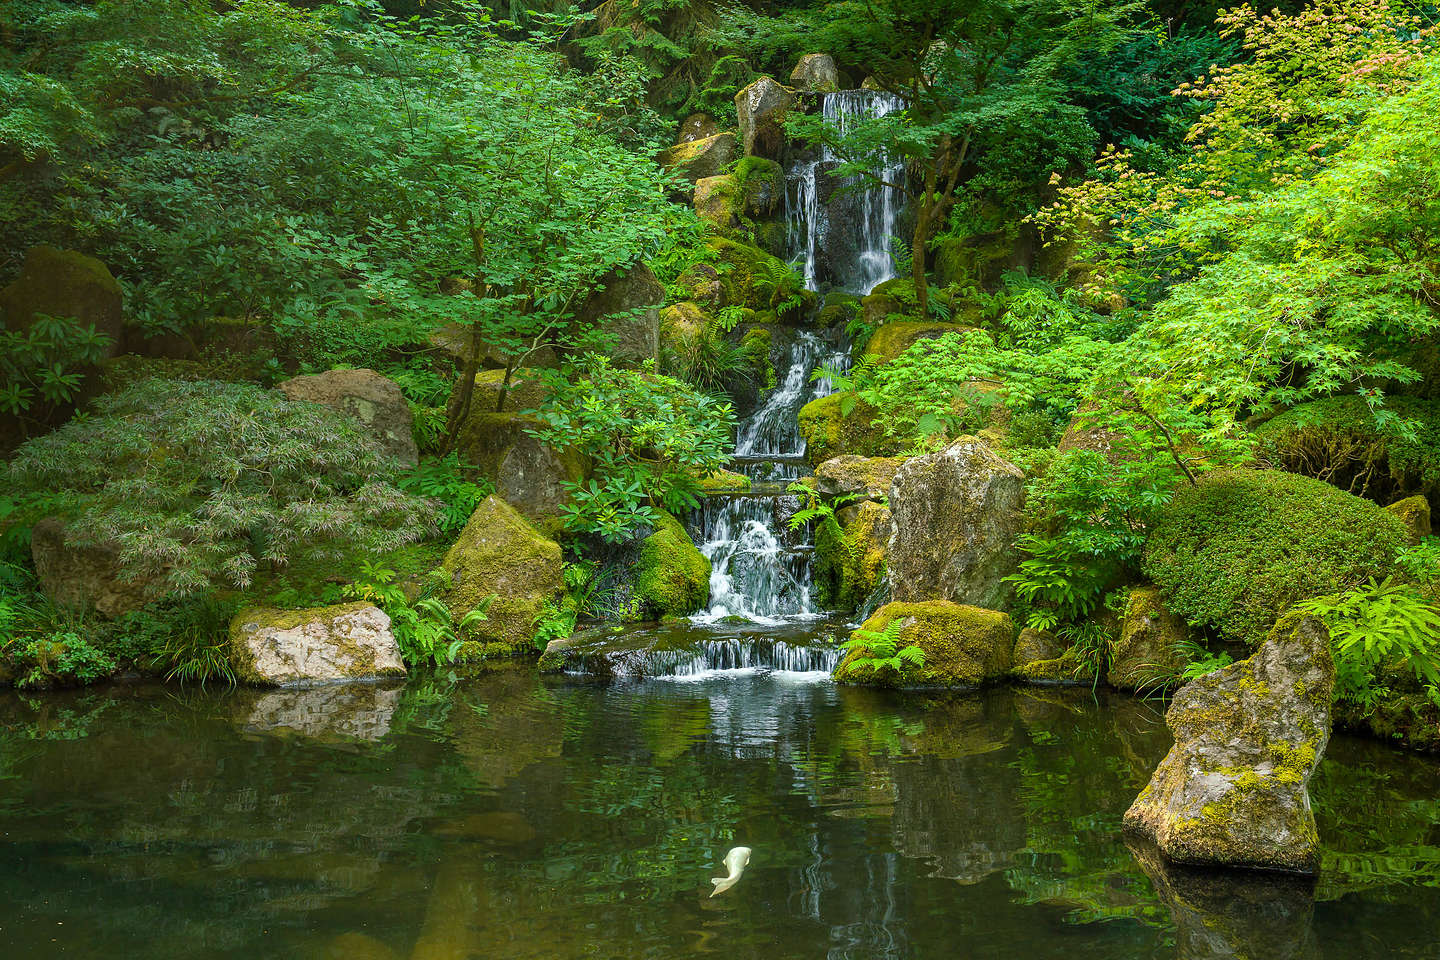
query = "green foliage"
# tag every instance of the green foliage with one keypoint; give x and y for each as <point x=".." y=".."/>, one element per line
<point x="1376" y="626"/>
<point x="426" y="631"/>
<point x="198" y="483"/>
<point x="816" y="507"/>
<point x="443" y="481"/>
<point x="186" y="641"/>
<point x="883" y="651"/>
<point x="42" y="367"/>
<point x="1420" y="563"/>
<point x="1092" y="516"/>
<point x="1382" y="452"/>
<point x="1237" y="549"/>
<point x="1202" y="662"/>
<point x="647" y="435"/>
<point x="61" y="659"/>
<point x="705" y="359"/>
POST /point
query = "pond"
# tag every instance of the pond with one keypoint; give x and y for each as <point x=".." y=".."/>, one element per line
<point x="515" y="816"/>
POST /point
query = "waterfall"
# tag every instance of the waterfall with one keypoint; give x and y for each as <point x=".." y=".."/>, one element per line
<point x="850" y="251"/>
<point x="772" y="431"/>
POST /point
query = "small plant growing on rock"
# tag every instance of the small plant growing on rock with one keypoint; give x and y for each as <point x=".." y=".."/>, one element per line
<point x="425" y="629"/>
<point x="882" y="650"/>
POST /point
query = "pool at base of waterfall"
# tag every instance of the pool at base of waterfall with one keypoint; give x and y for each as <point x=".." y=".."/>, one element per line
<point x="538" y="818"/>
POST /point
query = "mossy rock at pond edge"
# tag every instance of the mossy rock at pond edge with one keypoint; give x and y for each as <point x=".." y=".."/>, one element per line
<point x="500" y="554"/>
<point x="964" y="646"/>
<point x="1239" y="547"/>
<point x="671" y="576"/>
<point x="348" y="641"/>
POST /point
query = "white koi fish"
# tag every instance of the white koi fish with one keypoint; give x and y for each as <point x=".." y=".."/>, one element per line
<point x="735" y="862"/>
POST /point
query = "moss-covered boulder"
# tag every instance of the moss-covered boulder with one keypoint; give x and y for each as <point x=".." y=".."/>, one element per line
<point x="694" y="160"/>
<point x="1232" y="790"/>
<point x="830" y="431"/>
<point x="964" y="646"/>
<point x="1150" y="653"/>
<point x="1236" y="549"/>
<point x="65" y="284"/>
<point x="837" y="310"/>
<point x="957" y="513"/>
<point x="722" y="482"/>
<point x="525" y="391"/>
<point x="895" y="337"/>
<point x="748" y="276"/>
<point x="1414" y="512"/>
<point x="499" y="554"/>
<point x="974" y="261"/>
<point x="850" y="555"/>
<point x="860" y="478"/>
<point x="373" y="401"/>
<point x="1338" y="440"/>
<point x="528" y="474"/>
<point x="286" y="648"/>
<point x="1042" y="658"/>
<point x="671" y="576"/>
<point x="760" y="109"/>
<point x="697" y="126"/>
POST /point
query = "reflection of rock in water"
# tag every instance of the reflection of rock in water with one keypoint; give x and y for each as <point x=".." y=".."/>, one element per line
<point x="508" y="722"/>
<point x="1232" y="914"/>
<point x="959" y="816"/>
<point x="341" y="712"/>
<point x="499" y="827"/>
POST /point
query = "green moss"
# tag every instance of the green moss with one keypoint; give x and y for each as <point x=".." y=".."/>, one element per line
<point x="850" y="559"/>
<point x="1414" y="512"/>
<point x="672" y="577"/>
<point x="895" y="337"/>
<point x="501" y="555"/>
<point x="964" y="646"/>
<point x="756" y="345"/>
<point x="1337" y="439"/>
<point x="724" y="481"/>
<point x="1149" y="654"/>
<point x="1237" y="549"/>
<point x="829" y="431"/>
<point x="837" y="310"/>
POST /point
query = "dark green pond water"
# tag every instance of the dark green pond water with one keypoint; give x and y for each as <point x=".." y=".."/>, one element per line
<point x="514" y="817"/>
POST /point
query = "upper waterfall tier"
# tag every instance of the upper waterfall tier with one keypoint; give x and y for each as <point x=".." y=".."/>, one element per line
<point x="840" y="227"/>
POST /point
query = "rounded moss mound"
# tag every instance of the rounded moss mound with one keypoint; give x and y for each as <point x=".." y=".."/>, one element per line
<point x="830" y="431"/>
<point x="964" y="646"/>
<point x="672" y="577"/>
<point x="1338" y="440"/>
<point x="1234" y="551"/>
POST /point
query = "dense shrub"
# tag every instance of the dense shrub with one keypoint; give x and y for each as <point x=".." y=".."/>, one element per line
<point x="1342" y="441"/>
<point x="199" y="483"/>
<point x="1236" y="549"/>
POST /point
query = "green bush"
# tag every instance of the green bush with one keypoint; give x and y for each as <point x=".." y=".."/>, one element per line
<point x="1383" y="454"/>
<point x="200" y="483"/>
<point x="1238" y="548"/>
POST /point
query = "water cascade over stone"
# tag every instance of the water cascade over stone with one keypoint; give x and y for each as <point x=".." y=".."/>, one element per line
<point x="840" y="234"/>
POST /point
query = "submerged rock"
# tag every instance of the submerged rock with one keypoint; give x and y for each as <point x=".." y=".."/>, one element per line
<point x="283" y="648"/>
<point x="1149" y="653"/>
<point x="371" y="400"/>
<point x="964" y="646"/>
<point x="956" y="514"/>
<point x="499" y="554"/>
<point x="1232" y="790"/>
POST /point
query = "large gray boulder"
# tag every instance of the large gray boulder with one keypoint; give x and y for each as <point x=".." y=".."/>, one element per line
<point x="373" y="401"/>
<point x="816" y="73"/>
<point x="697" y="159"/>
<point x="761" y="109"/>
<point x="296" y="648"/>
<point x="956" y="514"/>
<point x="1232" y="790"/>
<point x="862" y="478"/>
<point x="626" y="305"/>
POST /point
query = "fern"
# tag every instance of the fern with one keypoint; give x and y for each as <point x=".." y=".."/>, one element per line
<point x="1375" y="626"/>
<point x="882" y="651"/>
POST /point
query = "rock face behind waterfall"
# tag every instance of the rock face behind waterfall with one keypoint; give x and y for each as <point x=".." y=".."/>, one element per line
<point x="956" y="514"/>
<point x="1232" y="791"/>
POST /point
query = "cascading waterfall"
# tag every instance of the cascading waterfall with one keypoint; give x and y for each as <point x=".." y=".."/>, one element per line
<point x="853" y="255"/>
